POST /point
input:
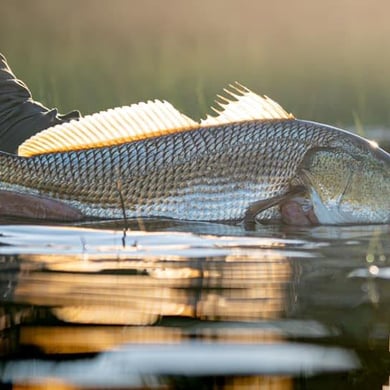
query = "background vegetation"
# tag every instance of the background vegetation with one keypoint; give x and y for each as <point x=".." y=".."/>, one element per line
<point x="323" y="60"/>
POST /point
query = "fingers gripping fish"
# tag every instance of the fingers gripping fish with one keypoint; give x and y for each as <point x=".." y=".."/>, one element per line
<point x="246" y="163"/>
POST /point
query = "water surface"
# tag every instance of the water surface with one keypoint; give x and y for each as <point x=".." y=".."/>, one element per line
<point x="194" y="305"/>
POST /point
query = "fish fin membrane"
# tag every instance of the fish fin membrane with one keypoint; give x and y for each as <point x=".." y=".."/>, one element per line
<point x="112" y="127"/>
<point x="264" y="204"/>
<point x="241" y="104"/>
<point x="146" y="120"/>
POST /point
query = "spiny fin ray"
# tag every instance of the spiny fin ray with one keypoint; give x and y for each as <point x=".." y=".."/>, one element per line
<point x="246" y="106"/>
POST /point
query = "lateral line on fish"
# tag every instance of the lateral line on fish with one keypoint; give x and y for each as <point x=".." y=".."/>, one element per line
<point x="147" y="120"/>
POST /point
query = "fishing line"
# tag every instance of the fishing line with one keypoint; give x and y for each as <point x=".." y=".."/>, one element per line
<point x="126" y="227"/>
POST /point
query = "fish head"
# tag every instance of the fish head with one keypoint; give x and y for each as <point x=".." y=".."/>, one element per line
<point x="348" y="182"/>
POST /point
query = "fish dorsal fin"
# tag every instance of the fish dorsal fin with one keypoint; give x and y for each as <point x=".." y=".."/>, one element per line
<point x="111" y="127"/>
<point x="246" y="105"/>
<point x="146" y="120"/>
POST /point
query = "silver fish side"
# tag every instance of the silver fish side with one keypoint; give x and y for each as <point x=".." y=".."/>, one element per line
<point x="212" y="174"/>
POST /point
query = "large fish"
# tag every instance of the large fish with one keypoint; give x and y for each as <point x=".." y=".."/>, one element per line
<point x="149" y="160"/>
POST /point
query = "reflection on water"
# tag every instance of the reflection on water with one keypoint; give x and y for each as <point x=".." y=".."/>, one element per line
<point x="195" y="306"/>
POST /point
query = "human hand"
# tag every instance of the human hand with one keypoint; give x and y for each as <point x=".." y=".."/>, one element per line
<point x="26" y="206"/>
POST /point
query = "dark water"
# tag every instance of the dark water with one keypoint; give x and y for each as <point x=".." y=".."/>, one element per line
<point x="195" y="306"/>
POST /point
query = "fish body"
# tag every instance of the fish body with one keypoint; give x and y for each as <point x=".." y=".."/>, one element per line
<point x="212" y="172"/>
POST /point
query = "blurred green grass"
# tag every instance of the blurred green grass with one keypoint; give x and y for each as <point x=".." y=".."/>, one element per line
<point x="324" y="61"/>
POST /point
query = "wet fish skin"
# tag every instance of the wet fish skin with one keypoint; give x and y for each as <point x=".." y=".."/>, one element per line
<point x="348" y="182"/>
<point x="212" y="174"/>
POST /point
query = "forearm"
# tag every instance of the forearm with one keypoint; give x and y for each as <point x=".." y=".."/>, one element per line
<point x="20" y="116"/>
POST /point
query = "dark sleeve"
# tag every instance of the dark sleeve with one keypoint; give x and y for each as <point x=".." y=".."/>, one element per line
<point x="20" y="116"/>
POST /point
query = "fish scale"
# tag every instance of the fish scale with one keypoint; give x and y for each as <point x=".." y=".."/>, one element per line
<point x="210" y="173"/>
<point x="150" y="160"/>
